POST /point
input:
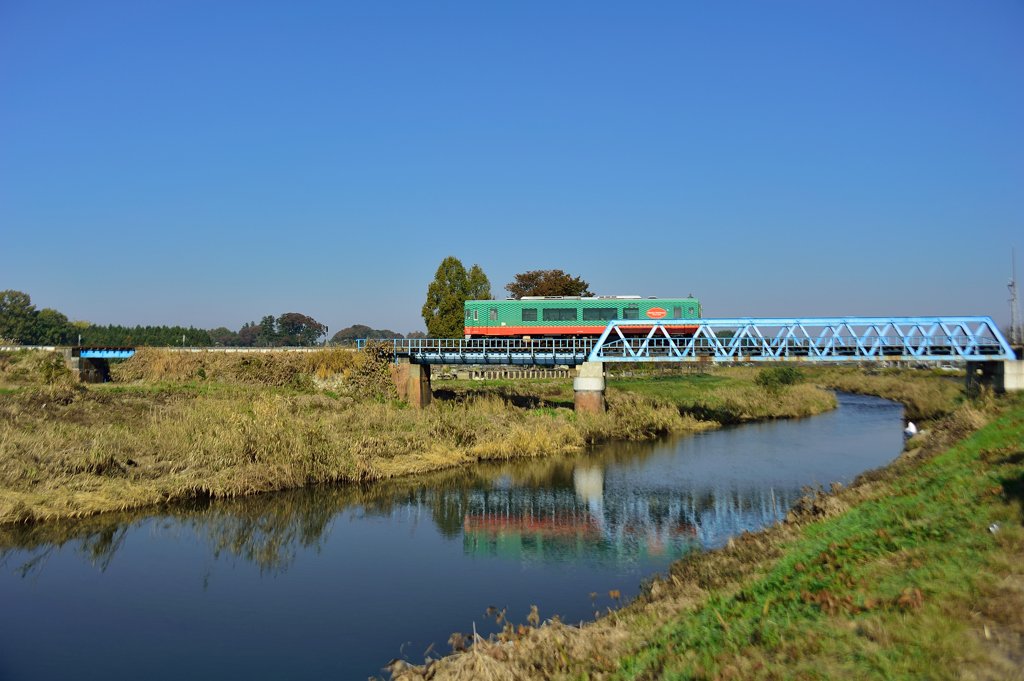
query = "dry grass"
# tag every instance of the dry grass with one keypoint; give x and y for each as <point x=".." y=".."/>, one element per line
<point x="755" y="403"/>
<point x="32" y="367"/>
<point x="270" y="369"/>
<point x="925" y="395"/>
<point x="188" y="425"/>
<point x="67" y="452"/>
<point x="731" y="395"/>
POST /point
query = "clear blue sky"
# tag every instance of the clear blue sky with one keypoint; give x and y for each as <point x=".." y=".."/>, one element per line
<point x="208" y="163"/>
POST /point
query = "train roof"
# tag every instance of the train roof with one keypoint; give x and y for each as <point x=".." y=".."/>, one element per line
<point x="597" y="298"/>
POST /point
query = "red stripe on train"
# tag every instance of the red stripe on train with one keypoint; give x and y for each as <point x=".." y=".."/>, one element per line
<point x="565" y="330"/>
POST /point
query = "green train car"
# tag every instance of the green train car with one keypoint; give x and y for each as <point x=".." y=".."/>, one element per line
<point x="573" y="317"/>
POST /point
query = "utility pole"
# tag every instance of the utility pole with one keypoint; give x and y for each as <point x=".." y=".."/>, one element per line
<point x="1016" y="333"/>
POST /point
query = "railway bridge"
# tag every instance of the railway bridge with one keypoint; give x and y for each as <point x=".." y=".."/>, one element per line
<point x="817" y="340"/>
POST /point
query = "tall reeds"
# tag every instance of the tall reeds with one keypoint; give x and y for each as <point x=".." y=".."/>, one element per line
<point x="105" y="450"/>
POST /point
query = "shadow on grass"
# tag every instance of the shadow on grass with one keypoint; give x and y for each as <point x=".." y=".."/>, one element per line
<point x="510" y="396"/>
<point x="1013" y="485"/>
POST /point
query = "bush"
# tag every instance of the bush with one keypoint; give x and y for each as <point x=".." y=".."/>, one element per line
<point x="776" y="378"/>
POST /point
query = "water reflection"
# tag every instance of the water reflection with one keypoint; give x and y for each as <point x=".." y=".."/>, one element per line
<point x="330" y="582"/>
<point x="621" y="503"/>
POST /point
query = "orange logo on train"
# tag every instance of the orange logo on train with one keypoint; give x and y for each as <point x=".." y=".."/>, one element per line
<point x="656" y="312"/>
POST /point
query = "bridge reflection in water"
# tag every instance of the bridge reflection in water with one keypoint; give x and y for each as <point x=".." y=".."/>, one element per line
<point x="588" y="522"/>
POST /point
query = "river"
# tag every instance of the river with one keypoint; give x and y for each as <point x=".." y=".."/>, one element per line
<point x="332" y="583"/>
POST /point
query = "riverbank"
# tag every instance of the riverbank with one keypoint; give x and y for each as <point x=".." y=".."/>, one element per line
<point x="176" y="426"/>
<point x="914" y="571"/>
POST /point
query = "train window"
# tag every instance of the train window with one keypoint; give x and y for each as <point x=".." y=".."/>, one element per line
<point x="559" y="314"/>
<point x="596" y="314"/>
<point x="529" y="314"/>
<point x="691" y="310"/>
<point x="469" y="315"/>
<point x="677" y="313"/>
<point x="476" y="315"/>
<point x="631" y="312"/>
<point x="494" y="314"/>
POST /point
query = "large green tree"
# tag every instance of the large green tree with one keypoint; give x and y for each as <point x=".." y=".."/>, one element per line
<point x="52" y="328"/>
<point x="17" y="317"/>
<point x="296" y="328"/>
<point x="446" y="297"/>
<point x="359" y="331"/>
<point x="268" y="335"/>
<point x="479" y="284"/>
<point x="548" y="283"/>
<point x="224" y="336"/>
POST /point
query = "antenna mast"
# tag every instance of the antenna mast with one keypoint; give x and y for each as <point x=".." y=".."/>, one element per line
<point x="1016" y="333"/>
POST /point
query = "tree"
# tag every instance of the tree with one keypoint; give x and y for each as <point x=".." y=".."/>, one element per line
<point x="446" y="297"/>
<point x="548" y="283"/>
<point x="155" y="336"/>
<point x="359" y="331"/>
<point x="300" y="329"/>
<point x="479" y="284"/>
<point x="249" y="334"/>
<point x="415" y="334"/>
<point x="17" y="316"/>
<point x="223" y="336"/>
<point x="52" y="328"/>
<point x="267" y="335"/>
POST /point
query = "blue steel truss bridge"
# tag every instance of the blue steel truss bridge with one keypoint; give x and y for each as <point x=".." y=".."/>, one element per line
<point x="817" y="339"/>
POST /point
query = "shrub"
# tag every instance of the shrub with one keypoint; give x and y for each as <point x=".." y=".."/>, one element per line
<point x="775" y="378"/>
<point x="53" y="369"/>
<point x="372" y="374"/>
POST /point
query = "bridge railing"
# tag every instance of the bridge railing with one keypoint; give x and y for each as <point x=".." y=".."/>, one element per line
<point x="488" y="350"/>
<point x="807" y="339"/>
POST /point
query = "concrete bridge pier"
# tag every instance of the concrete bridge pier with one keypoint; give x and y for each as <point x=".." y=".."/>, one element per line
<point x="1003" y="376"/>
<point x="86" y="370"/>
<point x="412" y="382"/>
<point x="589" y="388"/>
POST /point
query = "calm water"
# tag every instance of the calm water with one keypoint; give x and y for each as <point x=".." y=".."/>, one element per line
<point x="333" y="583"/>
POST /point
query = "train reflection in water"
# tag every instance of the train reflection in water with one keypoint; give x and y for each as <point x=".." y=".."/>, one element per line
<point x="588" y="520"/>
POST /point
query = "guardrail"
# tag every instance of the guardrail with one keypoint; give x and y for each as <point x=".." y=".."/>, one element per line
<point x="550" y="352"/>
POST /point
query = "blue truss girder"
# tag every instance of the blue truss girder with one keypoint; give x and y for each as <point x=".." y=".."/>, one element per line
<point x="812" y="339"/>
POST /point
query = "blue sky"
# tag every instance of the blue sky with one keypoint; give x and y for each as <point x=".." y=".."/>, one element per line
<point x="208" y="163"/>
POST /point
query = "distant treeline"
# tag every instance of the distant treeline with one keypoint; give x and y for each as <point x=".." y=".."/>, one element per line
<point x="21" y="322"/>
<point x="357" y="331"/>
<point x="160" y="336"/>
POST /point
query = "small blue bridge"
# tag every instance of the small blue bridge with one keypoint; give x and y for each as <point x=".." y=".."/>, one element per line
<point x="105" y="353"/>
<point x="817" y="339"/>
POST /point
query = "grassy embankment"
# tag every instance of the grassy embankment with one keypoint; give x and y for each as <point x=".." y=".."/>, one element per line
<point x="176" y="426"/>
<point x="731" y="395"/>
<point x="898" y="576"/>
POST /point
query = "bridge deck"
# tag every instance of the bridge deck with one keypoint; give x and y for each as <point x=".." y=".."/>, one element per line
<point x="490" y="351"/>
<point x="818" y="339"/>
